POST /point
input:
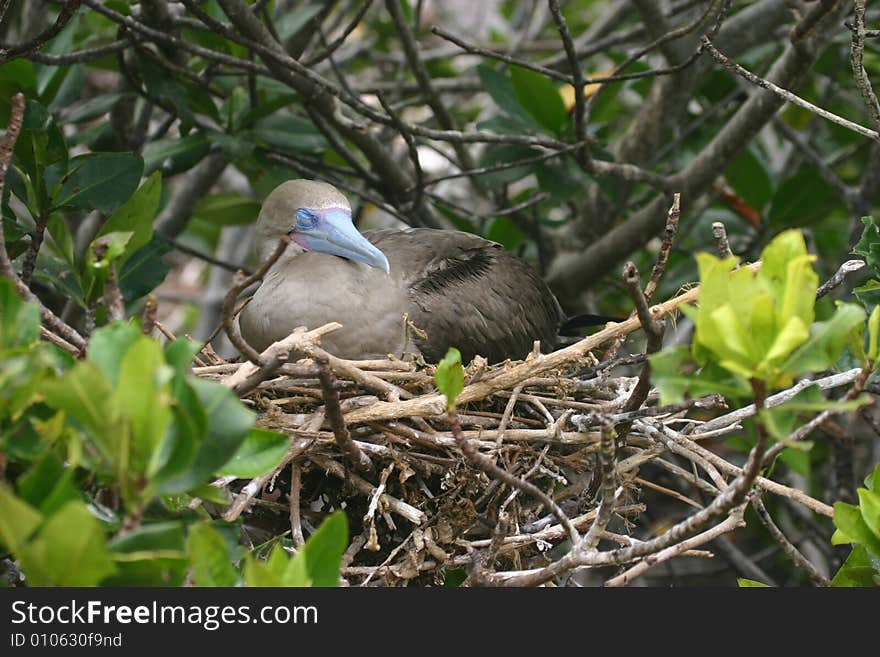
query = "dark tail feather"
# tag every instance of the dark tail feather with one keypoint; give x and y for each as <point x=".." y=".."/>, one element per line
<point x="571" y="325"/>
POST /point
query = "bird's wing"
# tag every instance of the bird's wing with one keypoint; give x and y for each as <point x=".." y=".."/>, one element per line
<point x="469" y="293"/>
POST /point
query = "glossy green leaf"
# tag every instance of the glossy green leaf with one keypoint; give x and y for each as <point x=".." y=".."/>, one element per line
<point x="100" y="181"/>
<point x="227" y="209"/>
<point x="18" y="520"/>
<point x="318" y="562"/>
<point x="153" y="554"/>
<point x="540" y="98"/>
<point x="859" y="570"/>
<point x="207" y="555"/>
<point x="744" y="583"/>
<point x="848" y="519"/>
<point x="749" y="176"/>
<point x="290" y="133"/>
<point x="136" y="216"/>
<point x="108" y="346"/>
<point x="874" y="334"/>
<point x="449" y="376"/>
<point x="48" y="485"/>
<point x="143" y="396"/>
<point x="260" y="452"/>
<point x="228" y="423"/>
<point x="175" y="155"/>
<point x="868" y="245"/>
<point x="869" y="504"/>
<point x="500" y="89"/>
<point x="19" y="321"/>
<point x="826" y="341"/>
<point x="69" y="550"/>
<point x="144" y="269"/>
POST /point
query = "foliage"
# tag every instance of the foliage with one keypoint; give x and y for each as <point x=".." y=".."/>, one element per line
<point x="860" y="526"/>
<point x="115" y="177"/>
<point x="449" y="376"/>
<point x="128" y="421"/>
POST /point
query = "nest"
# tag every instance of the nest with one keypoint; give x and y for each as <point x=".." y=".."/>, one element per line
<point x="551" y="462"/>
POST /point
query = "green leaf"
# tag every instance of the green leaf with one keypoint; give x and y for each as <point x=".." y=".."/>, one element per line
<point x="18" y="520"/>
<point x="260" y="452"/>
<point x="143" y="395"/>
<point x="848" y="519"/>
<point x="69" y="550"/>
<point x="154" y="554"/>
<point x="144" y="269"/>
<point x="750" y="583"/>
<point x="505" y="232"/>
<point x="540" y="98"/>
<point x="208" y="557"/>
<point x="136" y="216"/>
<point x="100" y="181"/>
<point x="290" y="133"/>
<point x="749" y="176"/>
<point x="500" y="89"/>
<point x="92" y="108"/>
<point x="859" y="570"/>
<point x="802" y="200"/>
<point x="874" y="334"/>
<point x="85" y="394"/>
<point x="449" y="376"/>
<point x="869" y="244"/>
<point x="676" y="373"/>
<point x="827" y="340"/>
<point x="318" y="562"/>
<point x="869" y="503"/>
<point x="48" y="485"/>
<point x="227" y="209"/>
<point x="19" y="321"/>
<point x="175" y="155"/>
<point x="228" y="423"/>
<point x="108" y="346"/>
<point x="292" y="22"/>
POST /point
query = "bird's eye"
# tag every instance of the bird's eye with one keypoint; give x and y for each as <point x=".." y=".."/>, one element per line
<point x="306" y="219"/>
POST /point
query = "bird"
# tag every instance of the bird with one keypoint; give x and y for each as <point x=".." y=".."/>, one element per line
<point x="415" y="291"/>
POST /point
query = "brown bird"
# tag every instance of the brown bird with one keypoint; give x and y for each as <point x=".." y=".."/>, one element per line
<point x="457" y="289"/>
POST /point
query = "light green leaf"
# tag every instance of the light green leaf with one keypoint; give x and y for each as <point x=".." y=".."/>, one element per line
<point x="69" y="550"/>
<point x="869" y="503"/>
<point x="108" y="346"/>
<point x="449" y="376"/>
<point x="874" y="334"/>
<point x="137" y="215"/>
<point x="827" y="340"/>
<point x="319" y="560"/>
<point x="750" y="583"/>
<point x="540" y="97"/>
<point x="859" y="570"/>
<point x="258" y="454"/>
<point x="17" y="521"/>
<point x="227" y="209"/>
<point x="848" y="519"/>
<point x="208" y="557"/>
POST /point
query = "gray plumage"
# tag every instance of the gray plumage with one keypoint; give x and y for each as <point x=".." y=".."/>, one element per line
<point x="460" y="289"/>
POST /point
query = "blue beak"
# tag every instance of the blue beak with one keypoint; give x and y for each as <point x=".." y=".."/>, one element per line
<point x="332" y="231"/>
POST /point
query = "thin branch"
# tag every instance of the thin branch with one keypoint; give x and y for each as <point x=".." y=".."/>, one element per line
<point x="485" y="464"/>
<point x="788" y="96"/>
<point x="8" y="52"/>
<point x="330" y="391"/>
<point x="787" y="546"/>
<point x="240" y="284"/>
<point x="7" y="147"/>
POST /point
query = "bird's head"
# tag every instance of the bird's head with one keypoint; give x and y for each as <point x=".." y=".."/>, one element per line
<point x="317" y="217"/>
